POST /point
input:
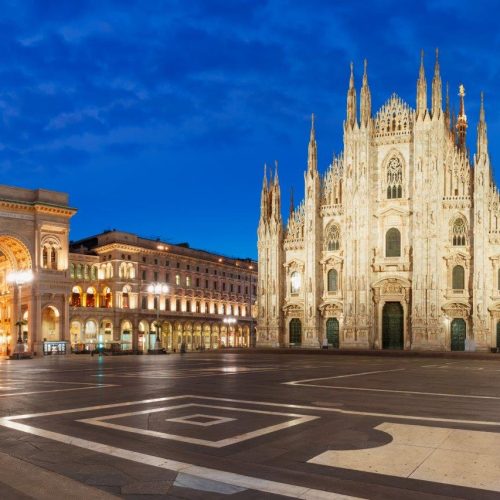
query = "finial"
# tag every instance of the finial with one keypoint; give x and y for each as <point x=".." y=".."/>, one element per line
<point x="365" y="72"/>
<point x="276" y="171"/>
<point x="351" y="80"/>
<point x="313" y="134"/>
<point x="437" y="54"/>
<point x="292" y="205"/>
<point x="481" y="109"/>
<point x="447" y="97"/>
<point x="461" y="90"/>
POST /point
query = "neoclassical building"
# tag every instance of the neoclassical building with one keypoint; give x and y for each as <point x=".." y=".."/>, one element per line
<point x="397" y="245"/>
<point x="96" y="291"/>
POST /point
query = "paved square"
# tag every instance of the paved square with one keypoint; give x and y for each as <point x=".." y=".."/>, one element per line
<point x="293" y="425"/>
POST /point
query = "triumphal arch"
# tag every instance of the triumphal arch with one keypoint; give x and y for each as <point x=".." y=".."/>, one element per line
<point x="34" y="229"/>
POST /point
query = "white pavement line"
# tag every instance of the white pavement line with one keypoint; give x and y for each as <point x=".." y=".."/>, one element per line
<point x="25" y="393"/>
<point x="299" y="382"/>
<point x="297" y="420"/>
<point x="395" y="391"/>
<point x="254" y="483"/>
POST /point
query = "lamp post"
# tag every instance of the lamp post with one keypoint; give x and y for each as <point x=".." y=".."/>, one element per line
<point x="158" y="289"/>
<point x="228" y="321"/>
<point x="18" y="279"/>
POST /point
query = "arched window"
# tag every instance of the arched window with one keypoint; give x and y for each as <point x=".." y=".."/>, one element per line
<point x="393" y="243"/>
<point x="106" y="298"/>
<point x="295" y="282"/>
<point x="394" y="178"/>
<point x="126" y="297"/>
<point x="333" y="239"/>
<point x="72" y="271"/>
<point x="458" y="278"/>
<point x="295" y="331"/>
<point x="90" y="297"/>
<point x="79" y="271"/>
<point x="93" y="273"/>
<point x="76" y="297"/>
<point x="459" y="233"/>
<point x="86" y="272"/>
<point x="332" y="280"/>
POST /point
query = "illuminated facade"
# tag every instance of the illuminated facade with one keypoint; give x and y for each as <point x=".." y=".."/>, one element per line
<point x="110" y="302"/>
<point x="95" y="291"/>
<point x="397" y="245"/>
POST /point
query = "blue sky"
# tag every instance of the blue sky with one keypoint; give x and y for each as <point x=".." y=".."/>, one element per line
<point x="157" y="116"/>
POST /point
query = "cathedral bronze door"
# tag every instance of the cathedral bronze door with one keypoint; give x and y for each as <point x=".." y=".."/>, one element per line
<point x="498" y="335"/>
<point x="458" y="330"/>
<point x="392" y="326"/>
<point x="295" y="332"/>
<point x="332" y="332"/>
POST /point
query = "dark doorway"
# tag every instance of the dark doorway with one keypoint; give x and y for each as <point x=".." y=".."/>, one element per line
<point x="295" y="332"/>
<point x="332" y="332"/>
<point x="458" y="330"/>
<point x="392" y="326"/>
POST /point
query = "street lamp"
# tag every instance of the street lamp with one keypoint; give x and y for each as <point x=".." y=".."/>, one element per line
<point x="228" y="321"/>
<point x="19" y="278"/>
<point x="158" y="289"/>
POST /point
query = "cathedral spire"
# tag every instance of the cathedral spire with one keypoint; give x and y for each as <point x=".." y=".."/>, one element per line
<point x="461" y="120"/>
<point x="482" y="137"/>
<point x="421" y="89"/>
<point x="436" y="89"/>
<point x="276" y="181"/>
<point x="447" y="106"/>
<point x="275" y="196"/>
<point x="264" y="197"/>
<point x="366" y="99"/>
<point x="292" y="204"/>
<point x="312" y="152"/>
<point x="351" y="101"/>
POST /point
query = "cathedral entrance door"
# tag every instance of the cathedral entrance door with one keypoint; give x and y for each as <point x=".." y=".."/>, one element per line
<point x="498" y="335"/>
<point x="295" y="331"/>
<point x="458" y="330"/>
<point x="332" y="332"/>
<point x="392" y="326"/>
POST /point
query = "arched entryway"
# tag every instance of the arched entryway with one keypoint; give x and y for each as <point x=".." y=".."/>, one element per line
<point x="458" y="334"/>
<point x="295" y="328"/>
<point x="332" y="332"/>
<point x="50" y="324"/>
<point x="392" y="326"/>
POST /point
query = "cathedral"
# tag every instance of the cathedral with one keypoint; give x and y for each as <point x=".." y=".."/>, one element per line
<point x="397" y="245"/>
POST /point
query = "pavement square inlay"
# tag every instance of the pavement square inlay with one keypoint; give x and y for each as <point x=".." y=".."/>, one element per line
<point x="201" y="419"/>
<point x="292" y="419"/>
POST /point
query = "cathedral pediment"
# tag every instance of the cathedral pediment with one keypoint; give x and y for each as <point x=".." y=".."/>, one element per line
<point x="393" y="211"/>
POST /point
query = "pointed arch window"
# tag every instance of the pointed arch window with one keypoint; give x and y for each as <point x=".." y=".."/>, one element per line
<point x="394" y="178"/>
<point x="459" y="233"/>
<point x="333" y="280"/>
<point x="458" y="278"/>
<point x="393" y="243"/>
<point x="333" y="239"/>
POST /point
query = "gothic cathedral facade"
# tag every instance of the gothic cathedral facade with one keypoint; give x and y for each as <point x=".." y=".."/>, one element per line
<point x="397" y="245"/>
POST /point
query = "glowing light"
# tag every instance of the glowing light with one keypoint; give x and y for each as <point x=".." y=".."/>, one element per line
<point x="158" y="288"/>
<point x="20" y="277"/>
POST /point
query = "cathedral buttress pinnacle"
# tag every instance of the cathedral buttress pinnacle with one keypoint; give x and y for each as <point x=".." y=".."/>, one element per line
<point x="436" y="89"/>
<point x="312" y="150"/>
<point x="351" y="101"/>
<point x="421" y="90"/>
<point x="264" y="197"/>
<point x="366" y="99"/>
<point x="482" y="136"/>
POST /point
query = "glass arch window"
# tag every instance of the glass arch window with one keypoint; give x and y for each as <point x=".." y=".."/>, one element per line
<point x="458" y="278"/>
<point x="394" y="178"/>
<point x="332" y="280"/>
<point x="459" y="233"/>
<point x="393" y="243"/>
<point x="295" y="282"/>
<point x="333" y="239"/>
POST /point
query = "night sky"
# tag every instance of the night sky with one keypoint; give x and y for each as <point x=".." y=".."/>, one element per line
<point x="157" y="116"/>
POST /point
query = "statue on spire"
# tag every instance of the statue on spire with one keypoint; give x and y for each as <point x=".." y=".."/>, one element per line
<point x="461" y="125"/>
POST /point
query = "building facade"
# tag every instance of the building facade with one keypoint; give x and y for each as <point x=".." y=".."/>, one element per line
<point x="97" y="291"/>
<point x="397" y="245"/>
<point x="112" y="302"/>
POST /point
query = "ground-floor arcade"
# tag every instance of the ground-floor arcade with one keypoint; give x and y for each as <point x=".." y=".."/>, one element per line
<point x="138" y="333"/>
